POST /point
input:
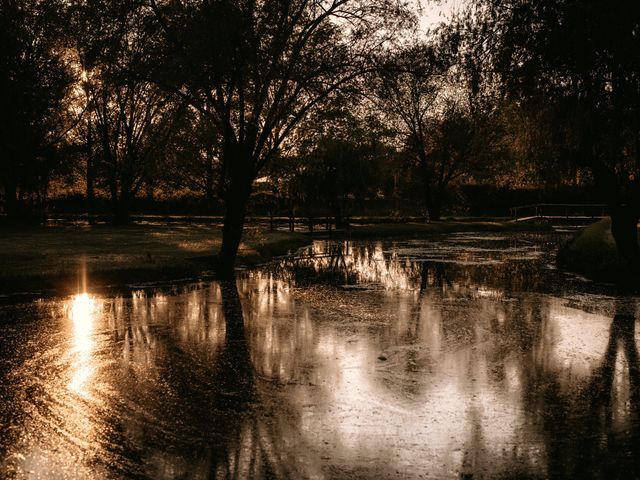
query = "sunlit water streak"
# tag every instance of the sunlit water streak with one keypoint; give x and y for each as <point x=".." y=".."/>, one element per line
<point x="354" y="360"/>
<point x="81" y="314"/>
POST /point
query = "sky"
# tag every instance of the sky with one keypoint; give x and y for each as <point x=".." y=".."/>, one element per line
<point x="437" y="12"/>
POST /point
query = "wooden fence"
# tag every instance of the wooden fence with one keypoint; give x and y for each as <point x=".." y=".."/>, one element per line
<point x="559" y="212"/>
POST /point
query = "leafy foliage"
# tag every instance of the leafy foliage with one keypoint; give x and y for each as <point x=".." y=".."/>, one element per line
<point x="34" y="83"/>
<point x="577" y="63"/>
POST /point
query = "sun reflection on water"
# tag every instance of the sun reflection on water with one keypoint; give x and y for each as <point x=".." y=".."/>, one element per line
<point x="425" y="368"/>
<point x="82" y="311"/>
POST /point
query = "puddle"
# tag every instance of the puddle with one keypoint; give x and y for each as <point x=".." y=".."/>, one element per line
<point x="353" y="360"/>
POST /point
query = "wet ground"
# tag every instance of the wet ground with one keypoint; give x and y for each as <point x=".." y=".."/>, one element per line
<point x="468" y="356"/>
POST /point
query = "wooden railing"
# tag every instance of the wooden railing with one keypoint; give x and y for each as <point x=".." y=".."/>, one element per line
<point x="558" y="211"/>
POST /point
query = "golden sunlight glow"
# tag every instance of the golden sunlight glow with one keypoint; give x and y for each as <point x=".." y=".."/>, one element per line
<point x="369" y="265"/>
<point x="82" y="310"/>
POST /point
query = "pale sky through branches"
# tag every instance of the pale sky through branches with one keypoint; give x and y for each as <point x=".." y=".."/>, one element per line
<point x="434" y="13"/>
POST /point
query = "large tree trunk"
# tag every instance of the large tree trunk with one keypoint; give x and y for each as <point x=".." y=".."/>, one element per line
<point x="209" y="181"/>
<point x="433" y="207"/>
<point x="624" y="217"/>
<point x="10" y="201"/>
<point x="432" y="200"/>
<point x="337" y="213"/>
<point x="91" y="175"/>
<point x="624" y="228"/>
<point x="121" y="209"/>
<point x="90" y="190"/>
<point x="43" y="200"/>
<point x="236" y="199"/>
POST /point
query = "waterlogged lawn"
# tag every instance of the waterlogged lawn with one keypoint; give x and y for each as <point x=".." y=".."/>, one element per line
<point x="56" y="257"/>
<point x="412" y="229"/>
<point x="47" y="255"/>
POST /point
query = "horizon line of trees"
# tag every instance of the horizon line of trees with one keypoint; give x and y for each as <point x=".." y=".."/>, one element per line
<point x="331" y="101"/>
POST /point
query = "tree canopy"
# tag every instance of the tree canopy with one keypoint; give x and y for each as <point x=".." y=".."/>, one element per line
<point x="35" y="82"/>
<point x="257" y="69"/>
<point x="577" y="62"/>
<point x="328" y="102"/>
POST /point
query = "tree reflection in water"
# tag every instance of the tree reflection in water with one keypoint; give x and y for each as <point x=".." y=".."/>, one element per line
<point x="211" y="421"/>
<point x="159" y="386"/>
<point x="509" y="355"/>
<point x="596" y="433"/>
<point x="409" y="364"/>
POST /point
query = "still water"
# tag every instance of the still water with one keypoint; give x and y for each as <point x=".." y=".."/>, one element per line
<point x="466" y="356"/>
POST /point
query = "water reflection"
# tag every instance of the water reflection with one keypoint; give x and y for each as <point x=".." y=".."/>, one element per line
<point x="603" y="409"/>
<point x="82" y="309"/>
<point x="408" y="367"/>
<point x="494" y="264"/>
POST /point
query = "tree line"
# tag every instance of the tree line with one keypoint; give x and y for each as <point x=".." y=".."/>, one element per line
<point x="325" y="101"/>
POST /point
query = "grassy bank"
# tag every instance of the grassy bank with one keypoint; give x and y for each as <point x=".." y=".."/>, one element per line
<point x="592" y="253"/>
<point x="54" y="257"/>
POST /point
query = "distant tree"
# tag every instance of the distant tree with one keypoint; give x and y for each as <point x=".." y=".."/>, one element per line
<point x="193" y="158"/>
<point x="130" y="121"/>
<point x="406" y="90"/>
<point x="338" y="159"/>
<point x="258" y="68"/>
<point x="455" y="151"/>
<point x="34" y="84"/>
<point x="577" y="62"/>
<point x="338" y="173"/>
<point x="446" y="112"/>
<point x="441" y="129"/>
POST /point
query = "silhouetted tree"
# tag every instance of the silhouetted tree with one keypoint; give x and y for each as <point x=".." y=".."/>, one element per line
<point x="407" y="89"/>
<point x="258" y="68"/>
<point x="338" y="160"/>
<point x="441" y="127"/>
<point x="193" y="158"/>
<point x="34" y="83"/>
<point x="578" y="62"/>
<point x="130" y="121"/>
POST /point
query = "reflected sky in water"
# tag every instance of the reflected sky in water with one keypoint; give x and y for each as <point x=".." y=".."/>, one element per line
<point x="455" y="357"/>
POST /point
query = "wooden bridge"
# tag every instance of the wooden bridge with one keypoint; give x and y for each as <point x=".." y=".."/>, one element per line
<point x="559" y="212"/>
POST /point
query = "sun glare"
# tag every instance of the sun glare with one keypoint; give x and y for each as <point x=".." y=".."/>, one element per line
<point x="82" y="314"/>
<point x="82" y="308"/>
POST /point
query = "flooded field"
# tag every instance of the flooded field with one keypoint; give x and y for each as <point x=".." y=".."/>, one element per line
<point x="466" y="356"/>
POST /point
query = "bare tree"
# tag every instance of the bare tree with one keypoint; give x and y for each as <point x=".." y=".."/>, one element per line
<point x="193" y="159"/>
<point x="408" y="90"/>
<point x="132" y="123"/>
